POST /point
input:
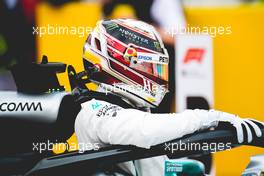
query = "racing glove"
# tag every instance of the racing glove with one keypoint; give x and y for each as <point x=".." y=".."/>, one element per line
<point x="197" y="120"/>
<point x="250" y="127"/>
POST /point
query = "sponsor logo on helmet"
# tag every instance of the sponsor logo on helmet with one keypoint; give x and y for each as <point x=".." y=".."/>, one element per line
<point x="163" y="59"/>
<point x="145" y="57"/>
<point x="133" y="35"/>
<point x="153" y="58"/>
<point x="12" y="106"/>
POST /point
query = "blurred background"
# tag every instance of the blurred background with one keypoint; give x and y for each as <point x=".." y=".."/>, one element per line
<point x="238" y="57"/>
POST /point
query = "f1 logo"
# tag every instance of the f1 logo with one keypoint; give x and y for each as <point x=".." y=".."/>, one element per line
<point x="194" y="54"/>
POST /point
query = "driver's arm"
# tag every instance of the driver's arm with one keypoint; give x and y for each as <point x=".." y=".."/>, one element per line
<point x="110" y="124"/>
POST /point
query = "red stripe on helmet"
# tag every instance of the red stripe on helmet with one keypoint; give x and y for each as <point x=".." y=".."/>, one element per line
<point x="115" y="44"/>
<point x="127" y="73"/>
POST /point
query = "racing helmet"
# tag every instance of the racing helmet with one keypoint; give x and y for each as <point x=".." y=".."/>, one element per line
<point x="132" y="59"/>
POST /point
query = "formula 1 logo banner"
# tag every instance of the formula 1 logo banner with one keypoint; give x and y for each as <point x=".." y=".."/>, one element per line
<point x="194" y="54"/>
<point x="194" y="71"/>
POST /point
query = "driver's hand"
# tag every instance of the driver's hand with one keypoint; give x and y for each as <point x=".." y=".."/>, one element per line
<point x="246" y="129"/>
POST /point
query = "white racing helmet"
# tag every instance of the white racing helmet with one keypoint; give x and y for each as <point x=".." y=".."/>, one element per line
<point x="132" y="58"/>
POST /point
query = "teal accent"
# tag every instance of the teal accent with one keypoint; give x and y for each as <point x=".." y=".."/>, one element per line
<point x="159" y="69"/>
<point x="96" y="105"/>
<point x="186" y="167"/>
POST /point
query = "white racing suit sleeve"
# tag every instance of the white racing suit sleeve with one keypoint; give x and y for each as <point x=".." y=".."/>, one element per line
<point x="102" y="122"/>
<point x="134" y="127"/>
<point x="109" y="124"/>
